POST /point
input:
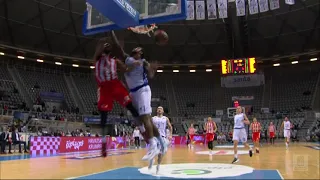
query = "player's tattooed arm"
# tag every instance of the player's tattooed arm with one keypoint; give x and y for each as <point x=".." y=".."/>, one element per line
<point x="117" y="49"/>
<point x="151" y="68"/>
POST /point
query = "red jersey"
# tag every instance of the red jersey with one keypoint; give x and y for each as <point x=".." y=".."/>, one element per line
<point x="255" y="127"/>
<point x="191" y="131"/>
<point x="106" y="69"/>
<point x="209" y="127"/>
<point x="272" y="128"/>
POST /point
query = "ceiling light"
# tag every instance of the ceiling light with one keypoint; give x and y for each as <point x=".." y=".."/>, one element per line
<point x="20" y="57"/>
<point x="278" y="64"/>
<point x="208" y="70"/>
<point x="58" y="63"/>
<point x="159" y="71"/>
<point x="75" y="65"/>
<point x="175" y="71"/>
<point x="294" y="62"/>
<point x="39" y="60"/>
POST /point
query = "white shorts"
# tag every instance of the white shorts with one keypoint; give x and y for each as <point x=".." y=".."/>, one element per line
<point x="141" y="100"/>
<point x="286" y="133"/>
<point x="239" y="135"/>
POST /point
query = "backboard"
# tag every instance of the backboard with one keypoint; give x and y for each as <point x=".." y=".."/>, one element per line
<point x="97" y="18"/>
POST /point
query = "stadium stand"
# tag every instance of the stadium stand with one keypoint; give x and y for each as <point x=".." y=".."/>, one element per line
<point x="195" y="95"/>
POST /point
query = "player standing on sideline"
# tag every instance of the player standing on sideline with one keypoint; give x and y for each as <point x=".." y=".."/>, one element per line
<point x="140" y="92"/>
<point x="239" y="133"/>
<point x="272" y="130"/>
<point x="190" y="135"/>
<point x="110" y="88"/>
<point x="255" y="129"/>
<point x="286" y="125"/>
<point x="210" y="128"/>
<point x="161" y="122"/>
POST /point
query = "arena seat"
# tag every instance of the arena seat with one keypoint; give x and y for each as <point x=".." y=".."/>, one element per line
<point x="48" y="82"/>
<point x="9" y="85"/>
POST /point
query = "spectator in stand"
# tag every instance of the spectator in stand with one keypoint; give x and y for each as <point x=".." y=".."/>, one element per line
<point x="219" y="138"/>
<point x="223" y="138"/>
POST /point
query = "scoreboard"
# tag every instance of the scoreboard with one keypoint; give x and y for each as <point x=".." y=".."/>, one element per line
<point x="238" y="66"/>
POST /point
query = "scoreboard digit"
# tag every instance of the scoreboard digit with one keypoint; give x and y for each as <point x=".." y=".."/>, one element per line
<point x="238" y="66"/>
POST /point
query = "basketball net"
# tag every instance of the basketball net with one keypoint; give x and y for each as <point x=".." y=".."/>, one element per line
<point x="144" y="29"/>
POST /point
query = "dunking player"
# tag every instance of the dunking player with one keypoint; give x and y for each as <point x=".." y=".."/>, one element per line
<point x="255" y="128"/>
<point x="210" y="128"/>
<point x="140" y="92"/>
<point x="286" y="125"/>
<point x="161" y="122"/>
<point x="110" y="88"/>
<point x="239" y="133"/>
<point x="190" y="135"/>
<point x="272" y="130"/>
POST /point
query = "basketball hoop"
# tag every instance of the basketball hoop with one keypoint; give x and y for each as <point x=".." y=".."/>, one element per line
<point x="144" y="29"/>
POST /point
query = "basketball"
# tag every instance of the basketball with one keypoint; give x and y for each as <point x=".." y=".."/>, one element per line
<point x="161" y="37"/>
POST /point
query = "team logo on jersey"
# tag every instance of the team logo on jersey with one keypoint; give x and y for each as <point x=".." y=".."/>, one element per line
<point x="221" y="152"/>
<point x="199" y="170"/>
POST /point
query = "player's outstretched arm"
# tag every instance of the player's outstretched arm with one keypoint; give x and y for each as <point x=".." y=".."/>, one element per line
<point x="117" y="49"/>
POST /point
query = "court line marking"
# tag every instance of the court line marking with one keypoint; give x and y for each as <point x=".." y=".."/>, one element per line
<point x="95" y="173"/>
<point x="280" y="174"/>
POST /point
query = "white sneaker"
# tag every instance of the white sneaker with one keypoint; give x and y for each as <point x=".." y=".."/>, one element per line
<point x="152" y="152"/>
<point x="150" y="164"/>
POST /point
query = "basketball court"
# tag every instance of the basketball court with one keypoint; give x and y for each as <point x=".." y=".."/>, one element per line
<point x="300" y="162"/>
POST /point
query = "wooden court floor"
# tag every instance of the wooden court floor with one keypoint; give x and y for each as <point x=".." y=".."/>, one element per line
<point x="273" y="162"/>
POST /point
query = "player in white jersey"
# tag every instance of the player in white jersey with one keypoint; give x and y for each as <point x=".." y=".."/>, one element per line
<point x="239" y="133"/>
<point x="286" y="125"/>
<point x="161" y="122"/>
<point x="140" y="92"/>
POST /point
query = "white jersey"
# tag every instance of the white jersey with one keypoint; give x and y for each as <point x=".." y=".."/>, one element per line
<point x="161" y="124"/>
<point x="137" y="77"/>
<point x="238" y="121"/>
<point x="286" y="125"/>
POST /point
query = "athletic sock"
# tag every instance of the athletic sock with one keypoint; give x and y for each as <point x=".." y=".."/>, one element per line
<point x="236" y="156"/>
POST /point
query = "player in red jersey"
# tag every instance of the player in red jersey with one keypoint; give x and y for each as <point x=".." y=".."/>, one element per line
<point x="272" y="130"/>
<point x="210" y="128"/>
<point x="255" y="128"/>
<point x="190" y="135"/>
<point x="110" y="88"/>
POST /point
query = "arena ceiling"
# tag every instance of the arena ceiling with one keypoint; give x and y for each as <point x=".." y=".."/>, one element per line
<point x="55" y="27"/>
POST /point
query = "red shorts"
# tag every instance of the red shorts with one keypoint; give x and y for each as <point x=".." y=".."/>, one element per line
<point x="191" y="137"/>
<point x="255" y="136"/>
<point x="209" y="137"/>
<point x="271" y="135"/>
<point x="111" y="91"/>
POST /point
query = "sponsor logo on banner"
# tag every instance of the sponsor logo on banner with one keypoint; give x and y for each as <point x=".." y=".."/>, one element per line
<point x="78" y="144"/>
<point x="242" y="81"/>
<point x="73" y="144"/>
<point x="200" y="170"/>
<point x="221" y="152"/>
